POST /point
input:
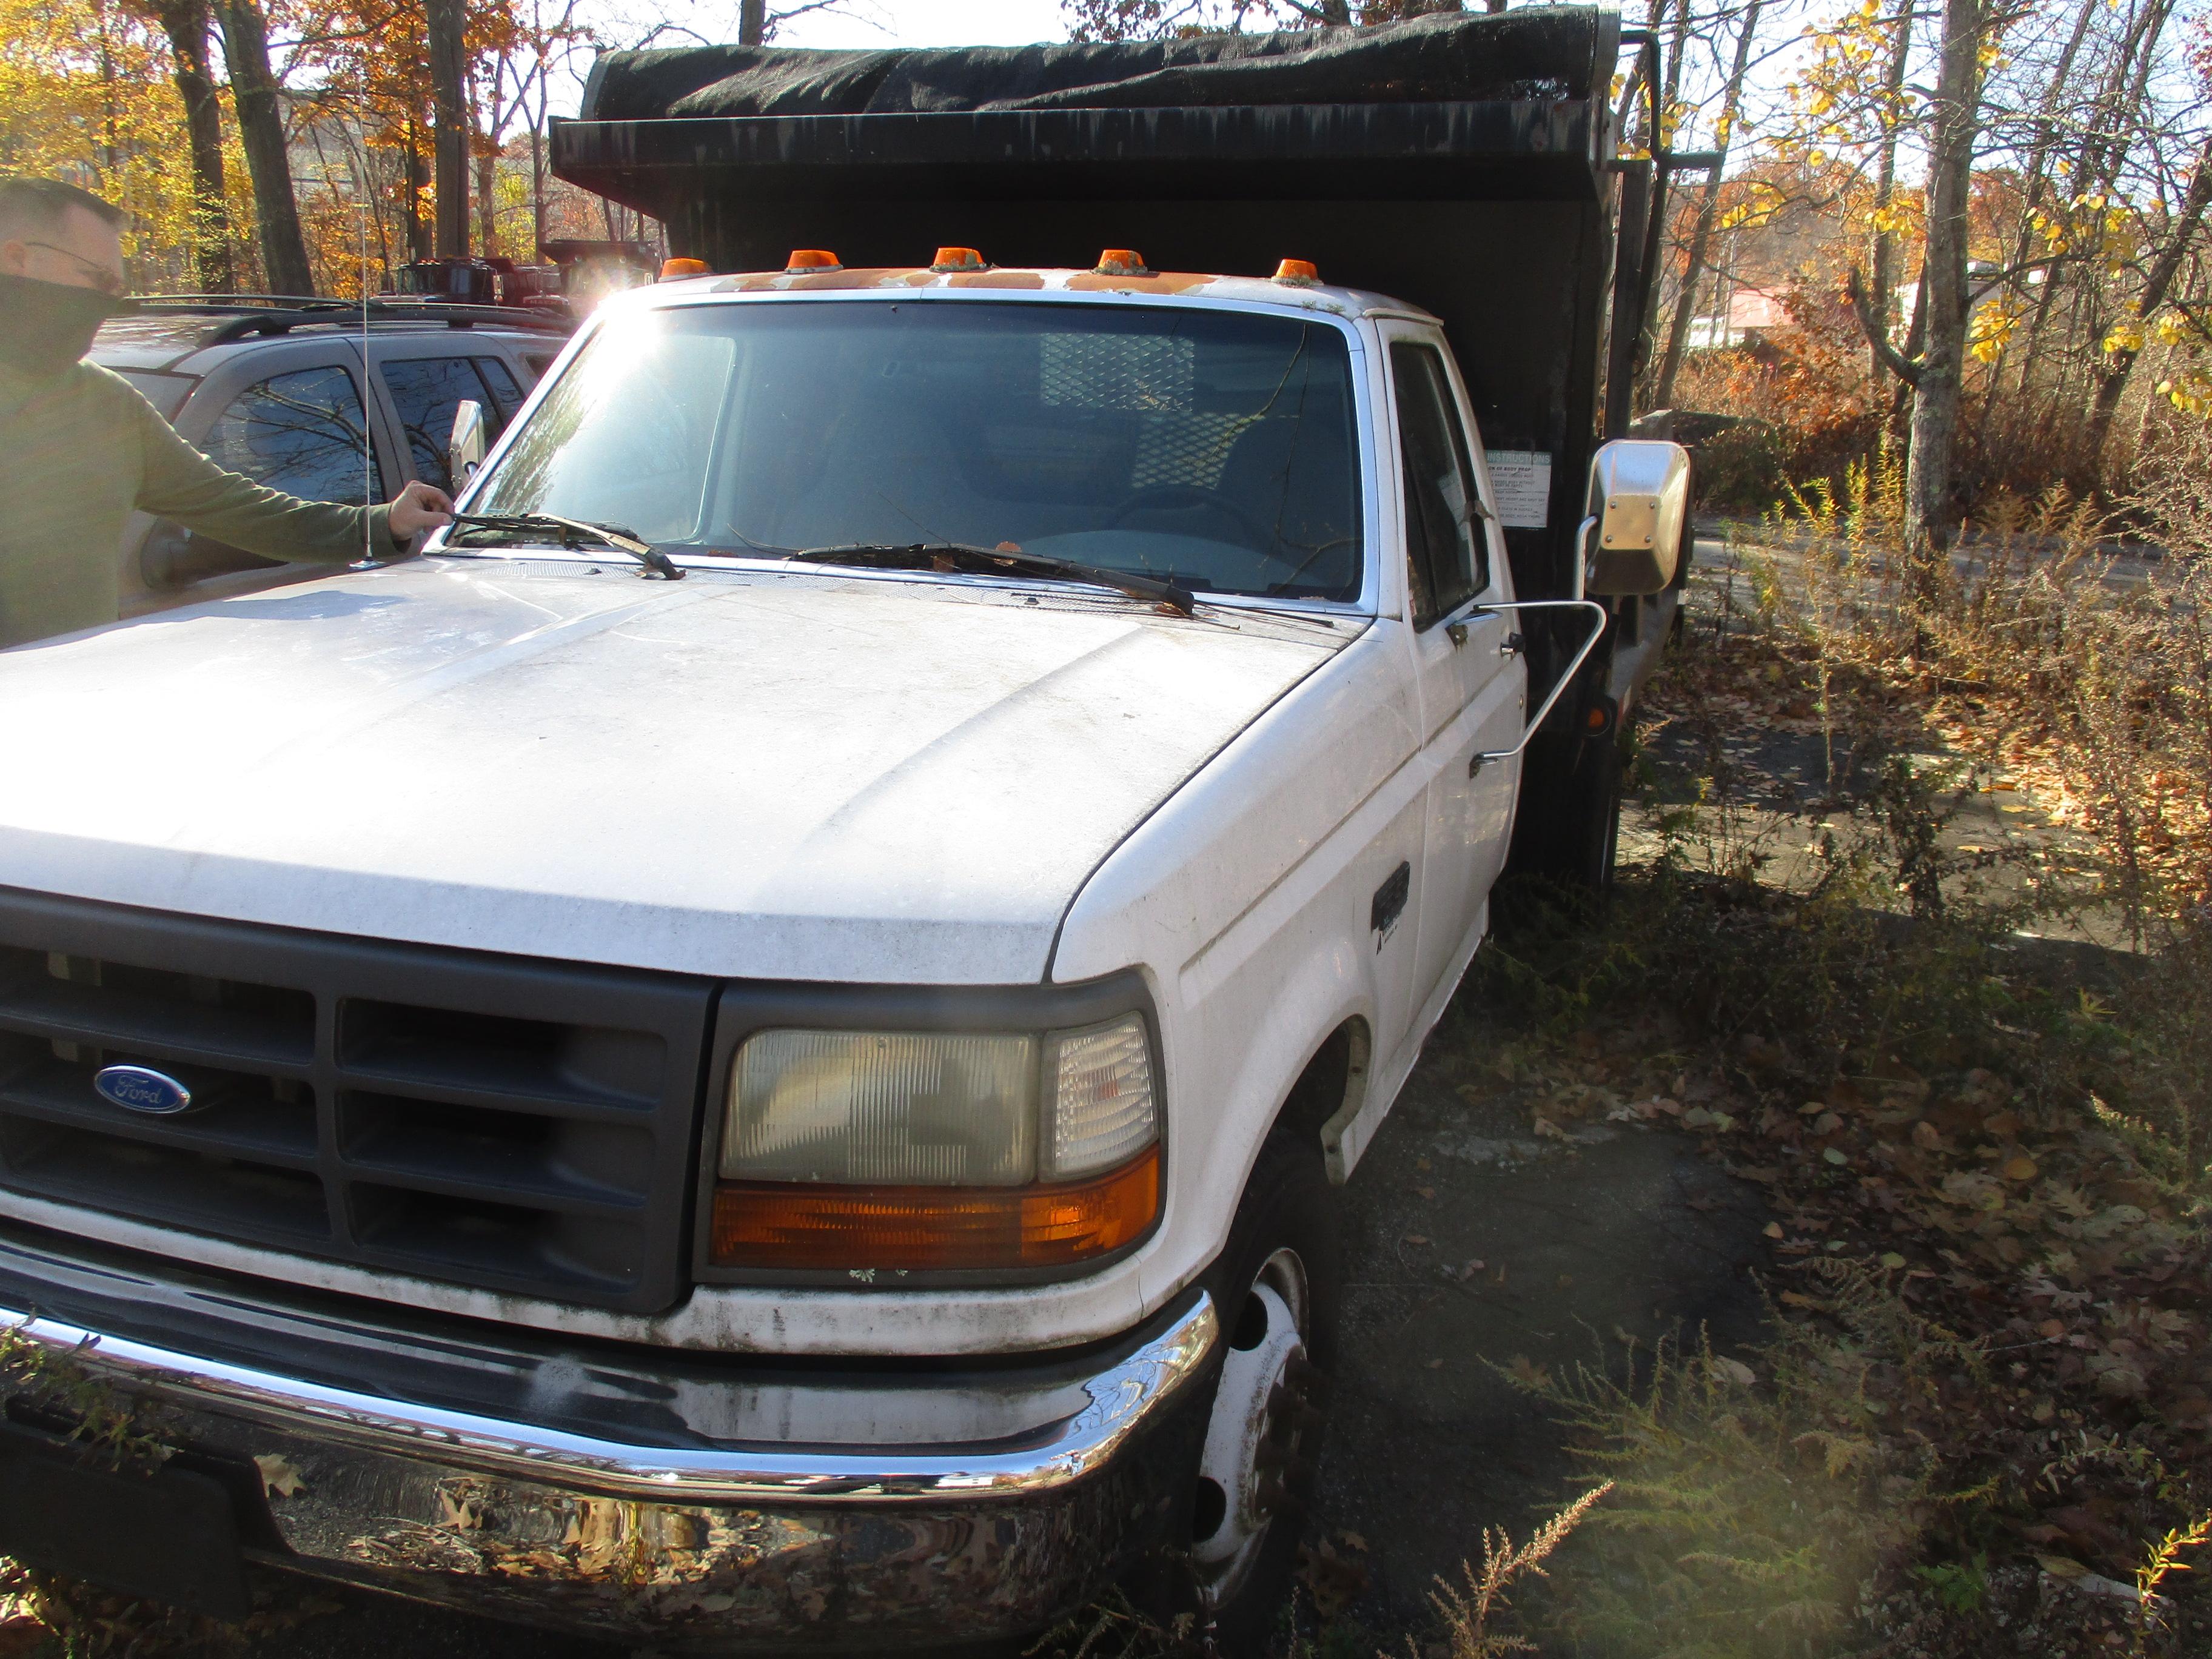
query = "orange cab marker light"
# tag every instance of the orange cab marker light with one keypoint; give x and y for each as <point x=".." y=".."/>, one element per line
<point x="1121" y="262"/>
<point x="957" y="258"/>
<point x="1299" y="273"/>
<point x="673" y="269"/>
<point x="785" y="1224"/>
<point x="813" y="259"/>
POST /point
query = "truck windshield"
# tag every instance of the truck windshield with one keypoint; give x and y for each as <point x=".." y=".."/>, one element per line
<point x="1212" y="449"/>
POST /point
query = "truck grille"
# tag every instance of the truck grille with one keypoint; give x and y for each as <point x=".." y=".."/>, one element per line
<point x="509" y="1124"/>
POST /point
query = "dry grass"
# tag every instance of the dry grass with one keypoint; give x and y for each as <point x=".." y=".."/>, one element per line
<point x="1982" y="1423"/>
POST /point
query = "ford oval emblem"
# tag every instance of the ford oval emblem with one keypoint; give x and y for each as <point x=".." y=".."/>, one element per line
<point x="142" y="1089"/>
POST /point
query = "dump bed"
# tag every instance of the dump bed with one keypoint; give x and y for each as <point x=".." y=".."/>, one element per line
<point x="1464" y="164"/>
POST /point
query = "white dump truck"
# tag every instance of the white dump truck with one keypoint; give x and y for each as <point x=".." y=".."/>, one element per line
<point x="755" y="1049"/>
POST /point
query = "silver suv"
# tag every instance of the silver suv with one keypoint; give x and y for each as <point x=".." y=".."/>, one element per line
<point x="272" y="388"/>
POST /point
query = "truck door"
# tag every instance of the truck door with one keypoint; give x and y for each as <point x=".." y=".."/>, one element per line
<point x="1471" y="686"/>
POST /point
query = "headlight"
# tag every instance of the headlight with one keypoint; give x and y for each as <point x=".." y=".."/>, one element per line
<point x="907" y="1150"/>
<point x="882" y="1106"/>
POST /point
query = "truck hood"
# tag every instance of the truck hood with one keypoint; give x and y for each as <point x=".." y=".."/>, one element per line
<point x="766" y="775"/>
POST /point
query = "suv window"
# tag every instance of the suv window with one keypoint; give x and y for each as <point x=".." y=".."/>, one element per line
<point x="426" y="390"/>
<point x="502" y="382"/>
<point x="302" y="433"/>
<point x="1446" y="563"/>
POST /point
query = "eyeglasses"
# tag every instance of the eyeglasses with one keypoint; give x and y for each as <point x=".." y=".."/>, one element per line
<point x="107" y="281"/>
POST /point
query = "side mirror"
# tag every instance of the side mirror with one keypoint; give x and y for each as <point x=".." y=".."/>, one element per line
<point x="465" y="449"/>
<point x="1640" y="497"/>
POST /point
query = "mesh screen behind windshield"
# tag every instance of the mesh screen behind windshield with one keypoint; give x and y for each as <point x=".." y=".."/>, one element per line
<point x="1216" y="448"/>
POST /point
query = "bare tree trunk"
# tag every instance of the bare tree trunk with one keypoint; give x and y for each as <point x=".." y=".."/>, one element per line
<point x="2039" y="179"/>
<point x="484" y="141"/>
<point x="1701" y="232"/>
<point x="1929" y="465"/>
<point x="420" y="243"/>
<point x="448" y="56"/>
<point x="261" y="127"/>
<point x="2106" y="144"/>
<point x="1897" y="429"/>
<point x="1674" y="51"/>
<point x="752" y="22"/>
<point x="537" y="187"/>
<point x="2111" y="374"/>
<point x="185" y="22"/>
<point x="1885" y="242"/>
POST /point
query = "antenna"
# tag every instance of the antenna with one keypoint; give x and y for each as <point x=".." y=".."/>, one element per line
<point x="367" y="443"/>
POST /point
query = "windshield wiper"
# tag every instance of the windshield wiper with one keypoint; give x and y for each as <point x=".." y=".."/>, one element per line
<point x="575" y="534"/>
<point x="991" y="561"/>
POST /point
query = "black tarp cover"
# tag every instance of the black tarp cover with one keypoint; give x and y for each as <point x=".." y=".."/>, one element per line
<point x="1539" y="53"/>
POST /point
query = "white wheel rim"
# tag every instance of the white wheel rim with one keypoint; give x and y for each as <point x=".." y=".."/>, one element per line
<point x="1251" y="1439"/>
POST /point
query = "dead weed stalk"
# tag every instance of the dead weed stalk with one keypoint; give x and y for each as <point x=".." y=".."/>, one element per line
<point x="1466" y="1611"/>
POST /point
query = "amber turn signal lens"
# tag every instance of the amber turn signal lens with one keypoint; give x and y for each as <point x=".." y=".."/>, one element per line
<point x="672" y="269"/>
<point x="813" y="259"/>
<point x="957" y="258"/>
<point x="791" y="1225"/>
<point x="1302" y="272"/>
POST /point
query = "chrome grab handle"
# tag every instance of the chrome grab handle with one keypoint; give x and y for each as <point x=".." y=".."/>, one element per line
<point x="1599" y="618"/>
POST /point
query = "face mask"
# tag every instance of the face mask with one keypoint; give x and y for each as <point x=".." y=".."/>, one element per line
<point x="46" y="326"/>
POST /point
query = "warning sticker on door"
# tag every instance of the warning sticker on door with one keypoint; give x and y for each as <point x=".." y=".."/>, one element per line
<point x="1521" y="480"/>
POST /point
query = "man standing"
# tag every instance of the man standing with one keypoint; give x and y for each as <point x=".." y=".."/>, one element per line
<point x="79" y="448"/>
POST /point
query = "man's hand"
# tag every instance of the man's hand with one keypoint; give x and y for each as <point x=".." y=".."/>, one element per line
<point x="418" y="508"/>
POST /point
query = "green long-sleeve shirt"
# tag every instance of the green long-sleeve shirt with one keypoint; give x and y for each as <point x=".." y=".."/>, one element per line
<point x="78" y="450"/>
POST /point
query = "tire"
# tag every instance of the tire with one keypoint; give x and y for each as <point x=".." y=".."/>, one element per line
<point x="1596" y="820"/>
<point x="1278" y="1287"/>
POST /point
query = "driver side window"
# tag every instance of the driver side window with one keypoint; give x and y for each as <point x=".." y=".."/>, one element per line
<point x="1447" y="563"/>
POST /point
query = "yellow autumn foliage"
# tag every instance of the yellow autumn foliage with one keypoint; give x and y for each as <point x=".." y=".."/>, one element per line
<point x="86" y="96"/>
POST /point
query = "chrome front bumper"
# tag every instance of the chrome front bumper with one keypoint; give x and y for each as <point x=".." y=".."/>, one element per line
<point x="754" y="1546"/>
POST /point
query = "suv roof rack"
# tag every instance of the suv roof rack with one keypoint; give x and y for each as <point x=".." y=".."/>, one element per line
<point x="244" y="314"/>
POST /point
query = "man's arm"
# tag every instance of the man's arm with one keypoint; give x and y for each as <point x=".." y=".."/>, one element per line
<point x="179" y="483"/>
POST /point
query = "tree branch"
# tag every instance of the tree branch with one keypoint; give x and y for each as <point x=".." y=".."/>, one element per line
<point x="1906" y="369"/>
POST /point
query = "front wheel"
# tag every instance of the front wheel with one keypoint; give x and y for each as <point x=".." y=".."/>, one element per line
<point x="1277" y="1287"/>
